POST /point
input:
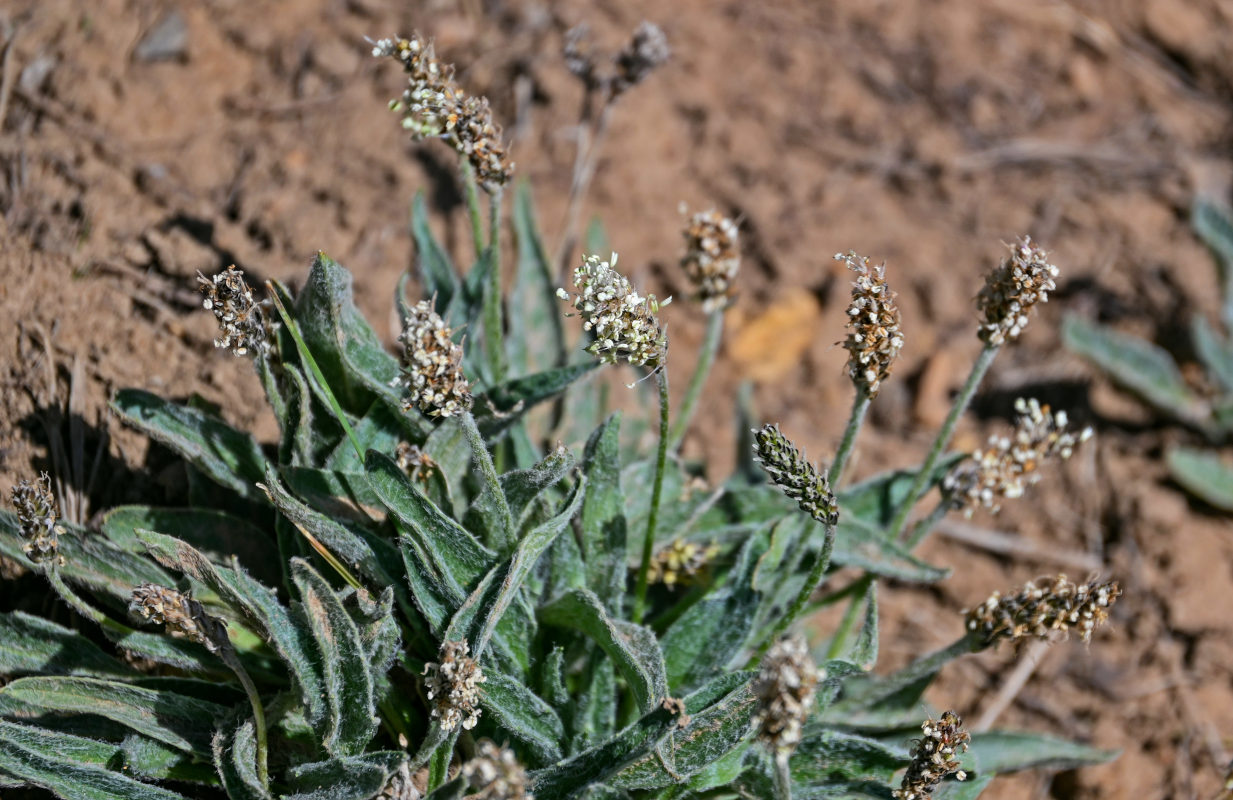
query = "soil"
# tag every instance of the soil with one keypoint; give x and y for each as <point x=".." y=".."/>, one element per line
<point x="144" y="141"/>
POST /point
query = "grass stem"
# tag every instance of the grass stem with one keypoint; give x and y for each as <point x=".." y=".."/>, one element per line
<point x="230" y="658"/>
<point x="859" y="406"/>
<point x="921" y="484"/>
<point x="494" y="333"/>
<point x="657" y="490"/>
<point x="816" y="575"/>
<point x="706" y="359"/>
<point x="471" y="191"/>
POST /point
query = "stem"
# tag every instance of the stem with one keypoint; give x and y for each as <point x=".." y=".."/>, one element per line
<point x="300" y="345"/>
<point x="816" y="573"/>
<point x="229" y="658"/>
<point x="488" y="471"/>
<point x="657" y="490"/>
<point x="473" y="205"/>
<point x="75" y="601"/>
<point x="925" y="526"/>
<point x="783" y="776"/>
<point x="493" y="323"/>
<point x="858" y="589"/>
<point x="920" y="484"/>
<point x="706" y="359"/>
<point x="859" y="406"/>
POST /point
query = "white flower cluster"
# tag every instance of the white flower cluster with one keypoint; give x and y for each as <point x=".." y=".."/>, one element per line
<point x="433" y="105"/>
<point x="874" y="334"/>
<point x="38" y="520"/>
<point x="712" y="257"/>
<point x="1039" y="609"/>
<point x="453" y="686"/>
<point x="1010" y="464"/>
<point x="622" y="321"/>
<point x="432" y="365"/>
<point x="240" y="322"/>
<point x="933" y="757"/>
<point x="1023" y="279"/>
<point x="785" y="687"/>
<point x="495" y="774"/>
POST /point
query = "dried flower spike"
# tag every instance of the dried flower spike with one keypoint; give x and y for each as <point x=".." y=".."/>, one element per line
<point x="435" y="106"/>
<point x="1039" y="609"/>
<point x="453" y="686"/>
<point x="1009" y="465"/>
<point x="712" y="258"/>
<point x="784" y="686"/>
<point x="623" y="322"/>
<point x="240" y="321"/>
<point x="183" y="616"/>
<point x="432" y="365"/>
<point x="646" y="51"/>
<point x="680" y="563"/>
<point x="414" y="461"/>
<point x="1023" y="279"/>
<point x="933" y="757"/>
<point x="797" y="478"/>
<point x="38" y="520"/>
<point x="874" y="334"/>
<point x="495" y="774"/>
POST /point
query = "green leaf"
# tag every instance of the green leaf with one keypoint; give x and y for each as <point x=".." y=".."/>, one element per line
<point x="1138" y="366"/>
<point x="570" y="777"/>
<point x="864" y="652"/>
<point x="235" y="759"/>
<point x="71" y="766"/>
<point x="33" y="645"/>
<point x="357" y="777"/>
<point x="348" y="352"/>
<point x="712" y="632"/>
<point x="537" y="332"/>
<point x="453" y="790"/>
<point x="258" y="605"/>
<point x="443" y="560"/>
<point x="348" y="684"/>
<point x="465" y="307"/>
<point x="1004" y="751"/>
<point x="603" y="515"/>
<point x="1210" y="220"/>
<point x="1214" y="350"/>
<point x="830" y="756"/>
<point x="858" y="545"/>
<point x="963" y="790"/>
<point x="711" y="734"/>
<point x="227" y="456"/>
<point x="437" y="274"/>
<point x="506" y="403"/>
<point x="522" y="714"/>
<point x="215" y="533"/>
<point x="477" y="618"/>
<point x="183" y="722"/>
<point x="146" y="758"/>
<point x="632" y="648"/>
<point x="522" y="487"/>
<point x="1204" y="474"/>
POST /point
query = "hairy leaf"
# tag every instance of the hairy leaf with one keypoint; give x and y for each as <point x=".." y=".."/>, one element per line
<point x="524" y="715"/>
<point x="603" y="515"/>
<point x="357" y="777"/>
<point x="33" y="645"/>
<point x="437" y="274"/>
<point x="1204" y="474"/>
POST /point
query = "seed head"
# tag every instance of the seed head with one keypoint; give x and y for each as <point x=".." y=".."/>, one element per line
<point x="1009" y="465"/>
<point x="400" y="786"/>
<point x="241" y="323"/>
<point x="712" y="258"/>
<point x="680" y="563"/>
<point x="798" y="479"/>
<point x="933" y="757"/>
<point x="874" y="336"/>
<point x="432" y="365"/>
<point x="646" y="51"/>
<point x="183" y="616"/>
<point x="784" y="687"/>
<point x="414" y="461"/>
<point x="495" y="774"/>
<point x="435" y="106"/>
<point x="453" y="685"/>
<point x="38" y="520"/>
<point x="622" y="321"/>
<point x="1023" y="279"/>
<point x="1042" y="607"/>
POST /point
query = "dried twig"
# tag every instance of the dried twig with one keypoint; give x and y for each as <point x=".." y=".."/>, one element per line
<point x="1013" y="544"/>
<point x="1012" y="685"/>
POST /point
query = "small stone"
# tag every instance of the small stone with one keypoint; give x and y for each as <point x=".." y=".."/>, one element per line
<point x="166" y="41"/>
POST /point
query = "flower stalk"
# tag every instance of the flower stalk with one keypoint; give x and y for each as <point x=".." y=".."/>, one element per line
<point x="657" y="491"/>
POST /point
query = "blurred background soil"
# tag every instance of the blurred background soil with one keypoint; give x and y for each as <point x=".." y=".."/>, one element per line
<point x="142" y="141"/>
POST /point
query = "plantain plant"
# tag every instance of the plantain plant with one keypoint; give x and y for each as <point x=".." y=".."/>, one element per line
<point x="1152" y="374"/>
<point x="412" y="593"/>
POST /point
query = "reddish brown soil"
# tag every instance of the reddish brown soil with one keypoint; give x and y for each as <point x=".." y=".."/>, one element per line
<point x="925" y="134"/>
